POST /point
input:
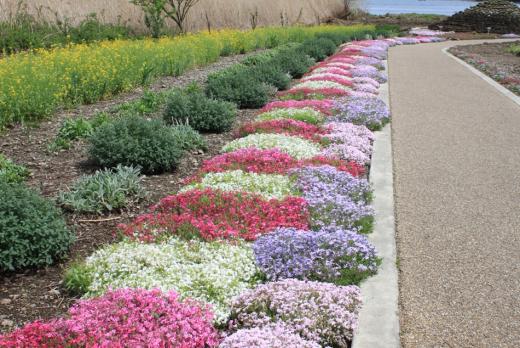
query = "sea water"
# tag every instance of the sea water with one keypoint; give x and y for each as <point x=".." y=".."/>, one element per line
<point x="442" y="7"/>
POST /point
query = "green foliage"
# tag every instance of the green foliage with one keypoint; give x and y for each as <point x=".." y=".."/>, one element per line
<point x="272" y="74"/>
<point x="515" y="49"/>
<point x="135" y="141"/>
<point x="22" y="31"/>
<point x="318" y="49"/>
<point x="154" y="18"/>
<point x="293" y="62"/>
<point x="200" y="112"/>
<point x="12" y="172"/>
<point x="77" y="128"/>
<point x="239" y="86"/>
<point x="33" y="232"/>
<point x="105" y="190"/>
<point x="149" y="103"/>
<point x="188" y="138"/>
<point x="78" y="278"/>
<point x="337" y="37"/>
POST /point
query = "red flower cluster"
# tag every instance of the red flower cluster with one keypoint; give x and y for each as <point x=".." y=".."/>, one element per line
<point x="282" y="126"/>
<point x="123" y="318"/>
<point x="269" y="161"/>
<point x="211" y="214"/>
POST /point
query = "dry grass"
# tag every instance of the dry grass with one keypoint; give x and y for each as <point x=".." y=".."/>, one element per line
<point x="220" y="13"/>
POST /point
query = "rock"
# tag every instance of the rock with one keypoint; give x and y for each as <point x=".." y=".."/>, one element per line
<point x="7" y="323"/>
<point x="494" y="16"/>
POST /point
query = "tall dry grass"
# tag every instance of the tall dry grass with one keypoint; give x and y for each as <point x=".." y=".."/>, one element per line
<point x="218" y="13"/>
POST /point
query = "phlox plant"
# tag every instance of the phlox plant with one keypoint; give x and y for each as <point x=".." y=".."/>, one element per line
<point x="324" y="106"/>
<point x="346" y="152"/>
<point x="335" y="198"/>
<point x="366" y="80"/>
<point x="371" y="112"/>
<point x="212" y="215"/>
<point x="298" y="114"/>
<point x="324" y="69"/>
<point x="311" y="93"/>
<point x="267" y="162"/>
<point x="212" y="273"/>
<point x="362" y="144"/>
<point x="293" y="146"/>
<point x="286" y="126"/>
<point x="268" y="186"/>
<point x="330" y="78"/>
<point x="268" y="336"/>
<point x="365" y="87"/>
<point x="349" y="129"/>
<point x="320" y="312"/>
<point x="328" y="255"/>
<point x="368" y="71"/>
<point x="123" y="318"/>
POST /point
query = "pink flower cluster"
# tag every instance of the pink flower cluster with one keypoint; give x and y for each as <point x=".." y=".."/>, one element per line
<point x="123" y="318"/>
<point x="282" y="126"/>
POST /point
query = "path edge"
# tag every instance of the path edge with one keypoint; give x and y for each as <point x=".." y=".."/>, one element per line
<point x="498" y="86"/>
<point x="379" y="316"/>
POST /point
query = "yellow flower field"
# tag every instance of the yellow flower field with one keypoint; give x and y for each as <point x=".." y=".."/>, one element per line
<point x="34" y="84"/>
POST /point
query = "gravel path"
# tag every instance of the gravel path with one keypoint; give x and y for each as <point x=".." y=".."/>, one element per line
<point x="457" y="187"/>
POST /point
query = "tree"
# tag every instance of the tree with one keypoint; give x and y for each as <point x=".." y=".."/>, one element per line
<point x="156" y="12"/>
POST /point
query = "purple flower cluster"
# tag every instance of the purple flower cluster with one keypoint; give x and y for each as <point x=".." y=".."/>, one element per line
<point x="335" y="198"/>
<point x="370" y="61"/>
<point x="368" y="71"/>
<point x="321" y="312"/>
<point x="267" y="337"/>
<point x="371" y="112"/>
<point x="329" y="255"/>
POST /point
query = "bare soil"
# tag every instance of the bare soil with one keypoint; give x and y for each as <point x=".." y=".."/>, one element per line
<point x="39" y="294"/>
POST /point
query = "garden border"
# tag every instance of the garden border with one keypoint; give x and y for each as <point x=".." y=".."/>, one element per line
<point x="498" y="86"/>
<point x="379" y="316"/>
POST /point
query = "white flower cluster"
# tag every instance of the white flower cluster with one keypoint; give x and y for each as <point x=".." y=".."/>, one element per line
<point x="301" y="114"/>
<point x="268" y="186"/>
<point x="212" y="273"/>
<point x="321" y="85"/>
<point x="293" y="146"/>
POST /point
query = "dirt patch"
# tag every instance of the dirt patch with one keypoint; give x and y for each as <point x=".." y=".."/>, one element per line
<point x="39" y="294"/>
<point x="494" y="60"/>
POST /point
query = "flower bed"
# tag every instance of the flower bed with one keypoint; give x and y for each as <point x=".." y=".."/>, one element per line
<point x="293" y="184"/>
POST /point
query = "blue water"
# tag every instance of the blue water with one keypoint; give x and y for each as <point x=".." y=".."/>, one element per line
<point x="443" y="7"/>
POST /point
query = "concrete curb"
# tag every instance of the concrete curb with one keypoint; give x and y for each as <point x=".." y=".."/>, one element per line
<point x="484" y="77"/>
<point x="379" y="317"/>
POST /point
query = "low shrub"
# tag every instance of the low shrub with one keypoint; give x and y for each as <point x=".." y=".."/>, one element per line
<point x="135" y="141"/>
<point x="149" y="103"/>
<point x="187" y="138"/>
<point x="268" y="186"/>
<point x="293" y="62"/>
<point x="319" y="48"/>
<point x="33" y="232"/>
<point x="12" y="172"/>
<point x="328" y="255"/>
<point x="239" y="86"/>
<point x="200" y="112"/>
<point x="293" y="146"/>
<point x="272" y="75"/>
<point x="106" y="190"/>
<point x="77" y="128"/>
<point x="211" y="273"/>
<point x="117" y="319"/>
<point x="319" y="312"/>
<point x="211" y="215"/>
<point x="515" y="49"/>
<point x="336" y="37"/>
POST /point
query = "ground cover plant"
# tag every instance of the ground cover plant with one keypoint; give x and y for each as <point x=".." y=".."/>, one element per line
<point x="34" y="84"/>
<point x="33" y="232"/>
<point x="105" y="190"/>
<point x="287" y="200"/>
<point x="12" y="172"/>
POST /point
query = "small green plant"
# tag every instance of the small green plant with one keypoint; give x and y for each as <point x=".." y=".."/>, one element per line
<point x="104" y="191"/>
<point x="12" y="172"/>
<point x="78" y="278"/>
<point x="293" y="62"/>
<point x="77" y="128"/>
<point x="149" y="103"/>
<point x="135" y="141"/>
<point x="188" y="138"/>
<point x="33" y="232"/>
<point x="200" y="112"/>
<point x="272" y="74"/>
<point x="515" y="49"/>
<point x="239" y="86"/>
<point x="318" y="49"/>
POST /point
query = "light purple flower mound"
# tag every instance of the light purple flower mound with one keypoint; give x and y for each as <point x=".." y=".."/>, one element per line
<point x="374" y="51"/>
<point x="370" y="112"/>
<point x="346" y="152"/>
<point x="335" y="198"/>
<point x="368" y="71"/>
<point x="267" y="337"/>
<point x="321" y="312"/>
<point x="329" y="255"/>
<point x="370" y="61"/>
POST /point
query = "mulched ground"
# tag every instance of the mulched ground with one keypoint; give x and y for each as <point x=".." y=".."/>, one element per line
<point x="39" y="294"/>
<point x="494" y="60"/>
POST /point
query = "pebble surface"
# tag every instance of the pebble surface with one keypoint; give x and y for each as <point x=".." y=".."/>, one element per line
<point x="456" y="143"/>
